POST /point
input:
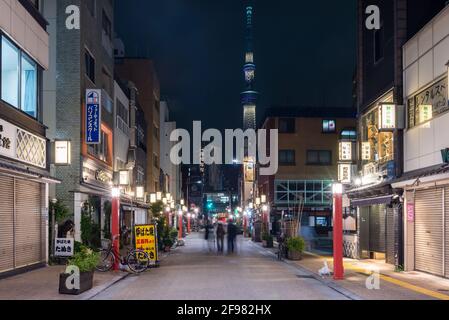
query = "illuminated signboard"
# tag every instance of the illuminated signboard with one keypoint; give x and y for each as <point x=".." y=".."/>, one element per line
<point x="345" y="151"/>
<point x="387" y="116"/>
<point x="344" y="173"/>
<point x="366" y="151"/>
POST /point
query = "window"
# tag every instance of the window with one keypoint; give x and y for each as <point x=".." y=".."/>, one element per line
<point x="29" y="86"/>
<point x="287" y="125"/>
<point x="313" y="192"/>
<point x="122" y="117"/>
<point x="329" y="126"/>
<point x="19" y="78"/>
<point x="287" y="157"/>
<point x="107" y="28"/>
<point x="141" y="137"/>
<point x="378" y="45"/>
<point x="319" y="157"/>
<point x="90" y="66"/>
<point x="348" y="134"/>
<point x="140" y="179"/>
<point x="10" y="73"/>
<point x="101" y="151"/>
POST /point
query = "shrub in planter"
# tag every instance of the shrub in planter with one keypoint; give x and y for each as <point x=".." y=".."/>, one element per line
<point x="85" y="260"/>
<point x="267" y="240"/>
<point x="295" y="247"/>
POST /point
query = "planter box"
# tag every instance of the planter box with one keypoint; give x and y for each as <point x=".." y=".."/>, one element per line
<point x="86" y="283"/>
<point x="294" y="255"/>
<point x="267" y="243"/>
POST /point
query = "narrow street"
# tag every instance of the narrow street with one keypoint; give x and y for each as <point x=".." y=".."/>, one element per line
<point x="194" y="273"/>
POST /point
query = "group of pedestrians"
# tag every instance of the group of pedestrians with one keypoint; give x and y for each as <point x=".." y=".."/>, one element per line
<point x="220" y="232"/>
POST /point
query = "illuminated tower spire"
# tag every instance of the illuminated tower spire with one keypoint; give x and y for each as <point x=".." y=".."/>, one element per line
<point x="249" y="96"/>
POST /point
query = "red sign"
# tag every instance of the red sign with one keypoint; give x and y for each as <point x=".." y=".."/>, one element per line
<point x="410" y="212"/>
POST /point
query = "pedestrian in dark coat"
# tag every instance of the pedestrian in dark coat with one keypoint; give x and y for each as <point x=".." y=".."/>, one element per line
<point x="232" y="235"/>
<point x="220" y="237"/>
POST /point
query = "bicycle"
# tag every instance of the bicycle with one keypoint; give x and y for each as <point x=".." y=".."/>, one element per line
<point x="138" y="261"/>
<point x="282" y="249"/>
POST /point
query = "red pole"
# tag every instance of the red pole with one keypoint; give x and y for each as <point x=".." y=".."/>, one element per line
<point x="338" y="237"/>
<point x="180" y="227"/>
<point x="244" y="226"/>
<point x="115" y="229"/>
<point x="188" y="224"/>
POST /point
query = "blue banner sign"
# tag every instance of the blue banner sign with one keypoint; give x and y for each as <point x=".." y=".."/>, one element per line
<point x="93" y="116"/>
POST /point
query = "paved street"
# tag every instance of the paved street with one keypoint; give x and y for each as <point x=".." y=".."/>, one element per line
<point x="194" y="273"/>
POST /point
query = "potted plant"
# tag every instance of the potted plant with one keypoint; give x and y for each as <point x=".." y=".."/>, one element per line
<point x="85" y="260"/>
<point x="295" y="247"/>
<point x="267" y="240"/>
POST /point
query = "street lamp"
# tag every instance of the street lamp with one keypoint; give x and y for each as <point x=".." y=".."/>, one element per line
<point x="53" y="226"/>
<point x="337" y="189"/>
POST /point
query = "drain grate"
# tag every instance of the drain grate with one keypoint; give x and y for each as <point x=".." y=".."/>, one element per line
<point x="304" y="277"/>
<point x="443" y="290"/>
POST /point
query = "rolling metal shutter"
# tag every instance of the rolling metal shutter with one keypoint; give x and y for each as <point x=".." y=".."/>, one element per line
<point x="377" y="220"/>
<point x="29" y="230"/>
<point x="390" y="235"/>
<point x="429" y="231"/>
<point x="446" y="228"/>
<point x="6" y="223"/>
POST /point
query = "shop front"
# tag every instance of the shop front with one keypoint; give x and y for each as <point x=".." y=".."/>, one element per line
<point x="427" y="223"/>
<point x="24" y="181"/>
<point x="371" y="199"/>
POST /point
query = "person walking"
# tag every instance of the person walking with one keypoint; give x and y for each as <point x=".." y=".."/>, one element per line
<point x="232" y="234"/>
<point x="220" y="237"/>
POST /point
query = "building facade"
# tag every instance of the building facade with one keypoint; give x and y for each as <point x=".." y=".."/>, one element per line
<point x="426" y="163"/>
<point x="308" y="165"/>
<point x="369" y="194"/>
<point x="81" y="60"/>
<point x="171" y="171"/>
<point x="143" y="74"/>
<point x="24" y="146"/>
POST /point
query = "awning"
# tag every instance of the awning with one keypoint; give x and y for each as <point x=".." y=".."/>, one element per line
<point x="15" y="171"/>
<point x="372" y="201"/>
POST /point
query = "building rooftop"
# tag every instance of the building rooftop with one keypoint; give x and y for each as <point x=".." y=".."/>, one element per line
<point x="309" y="112"/>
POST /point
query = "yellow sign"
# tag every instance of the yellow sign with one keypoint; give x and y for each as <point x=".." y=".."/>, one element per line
<point x="146" y="240"/>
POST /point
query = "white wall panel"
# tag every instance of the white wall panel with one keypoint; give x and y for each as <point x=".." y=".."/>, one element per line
<point x="441" y="57"/>
<point x="410" y="52"/>
<point x="411" y="79"/>
<point x="425" y="69"/>
<point x="440" y="26"/>
<point x="425" y="40"/>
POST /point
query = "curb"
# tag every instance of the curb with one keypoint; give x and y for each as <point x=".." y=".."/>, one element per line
<point x="100" y="289"/>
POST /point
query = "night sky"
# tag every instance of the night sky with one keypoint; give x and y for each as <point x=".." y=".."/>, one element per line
<point x="304" y="52"/>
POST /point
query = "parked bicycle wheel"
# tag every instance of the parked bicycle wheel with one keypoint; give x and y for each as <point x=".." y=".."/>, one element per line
<point x="138" y="261"/>
<point x="106" y="261"/>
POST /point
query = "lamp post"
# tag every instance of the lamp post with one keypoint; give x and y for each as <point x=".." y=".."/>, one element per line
<point x="115" y="229"/>
<point x="180" y="213"/>
<point x="189" y="216"/>
<point x="337" y="190"/>
<point x="53" y="227"/>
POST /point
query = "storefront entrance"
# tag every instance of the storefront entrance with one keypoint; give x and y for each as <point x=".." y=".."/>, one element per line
<point x="22" y="224"/>
<point x="379" y="227"/>
<point x="431" y="231"/>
